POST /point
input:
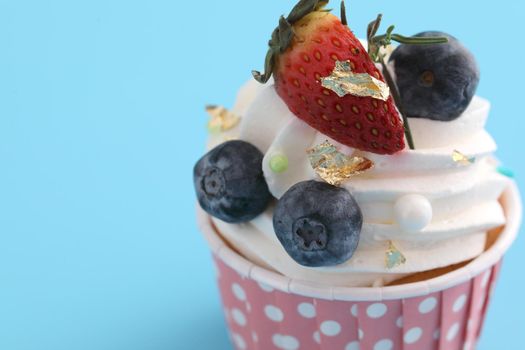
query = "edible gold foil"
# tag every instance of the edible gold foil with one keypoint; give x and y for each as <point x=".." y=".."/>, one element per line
<point x="462" y="159"/>
<point x="335" y="167"/>
<point x="221" y="119"/>
<point x="393" y="257"/>
<point x="343" y="81"/>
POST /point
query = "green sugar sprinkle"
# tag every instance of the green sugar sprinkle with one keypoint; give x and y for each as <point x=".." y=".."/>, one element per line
<point x="278" y="163"/>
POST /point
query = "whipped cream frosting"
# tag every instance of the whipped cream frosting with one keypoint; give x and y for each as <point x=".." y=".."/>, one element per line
<point x="460" y="200"/>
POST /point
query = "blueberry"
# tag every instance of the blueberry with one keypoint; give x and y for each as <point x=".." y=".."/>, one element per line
<point x="230" y="184"/>
<point x="318" y="224"/>
<point x="435" y="81"/>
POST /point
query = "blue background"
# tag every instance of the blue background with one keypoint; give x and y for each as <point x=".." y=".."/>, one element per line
<point x="101" y="120"/>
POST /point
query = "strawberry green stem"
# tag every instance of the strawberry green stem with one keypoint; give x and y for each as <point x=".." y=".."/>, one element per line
<point x="411" y="40"/>
<point x="343" y="13"/>
<point x="283" y="35"/>
<point x="394" y="91"/>
<point x="375" y="42"/>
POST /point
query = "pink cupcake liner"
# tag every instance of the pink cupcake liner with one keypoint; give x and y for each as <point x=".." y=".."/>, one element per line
<point x="267" y="311"/>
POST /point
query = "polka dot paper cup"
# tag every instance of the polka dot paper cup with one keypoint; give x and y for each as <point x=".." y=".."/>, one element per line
<point x="268" y="311"/>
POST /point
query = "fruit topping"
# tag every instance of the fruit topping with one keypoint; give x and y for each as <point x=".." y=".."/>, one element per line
<point x="229" y="182"/>
<point x="304" y="49"/>
<point x="318" y="224"/>
<point x="435" y="81"/>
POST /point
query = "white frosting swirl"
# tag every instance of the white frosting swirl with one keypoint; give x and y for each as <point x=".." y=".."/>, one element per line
<point x="463" y="198"/>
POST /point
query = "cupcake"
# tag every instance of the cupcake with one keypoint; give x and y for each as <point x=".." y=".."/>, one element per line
<point x="351" y="197"/>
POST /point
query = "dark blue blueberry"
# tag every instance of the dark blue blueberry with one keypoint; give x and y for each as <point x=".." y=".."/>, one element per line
<point x="318" y="224"/>
<point x="229" y="182"/>
<point x="435" y="81"/>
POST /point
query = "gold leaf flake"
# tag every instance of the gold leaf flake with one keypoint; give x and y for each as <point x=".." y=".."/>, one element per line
<point x="393" y="257"/>
<point x="335" y="167"/>
<point x="343" y="81"/>
<point x="462" y="159"/>
<point x="221" y="119"/>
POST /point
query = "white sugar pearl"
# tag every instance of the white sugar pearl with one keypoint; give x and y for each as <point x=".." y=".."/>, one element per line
<point x="413" y="212"/>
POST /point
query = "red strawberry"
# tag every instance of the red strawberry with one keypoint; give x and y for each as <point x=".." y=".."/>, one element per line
<point x="303" y="49"/>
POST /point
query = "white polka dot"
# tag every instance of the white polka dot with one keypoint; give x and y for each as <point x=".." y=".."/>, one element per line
<point x="273" y="313"/>
<point x="376" y="310"/>
<point x="412" y="335"/>
<point x="317" y="337"/>
<point x="427" y="305"/>
<point x="437" y="333"/>
<point x="360" y="333"/>
<point x="453" y="331"/>
<point x="306" y="310"/>
<point x="399" y="322"/>
<point x="238" y="292"/>
<point x="352" y="345"/>
<point x="285" y="342"/>
<point x="353" y="310"/>
<point x="481" y="301"/>
<point x="265" y="287"/>
<point x="330" y="328"/>
<point x="239" y="341"/>
<point x="255" y="338"/>
<point x="467" y="346"/>
<point x="485" y="279"/>
<point x="459" y="303"/>
<point x="384" y="344"/>
<point x="239" y="317"/>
